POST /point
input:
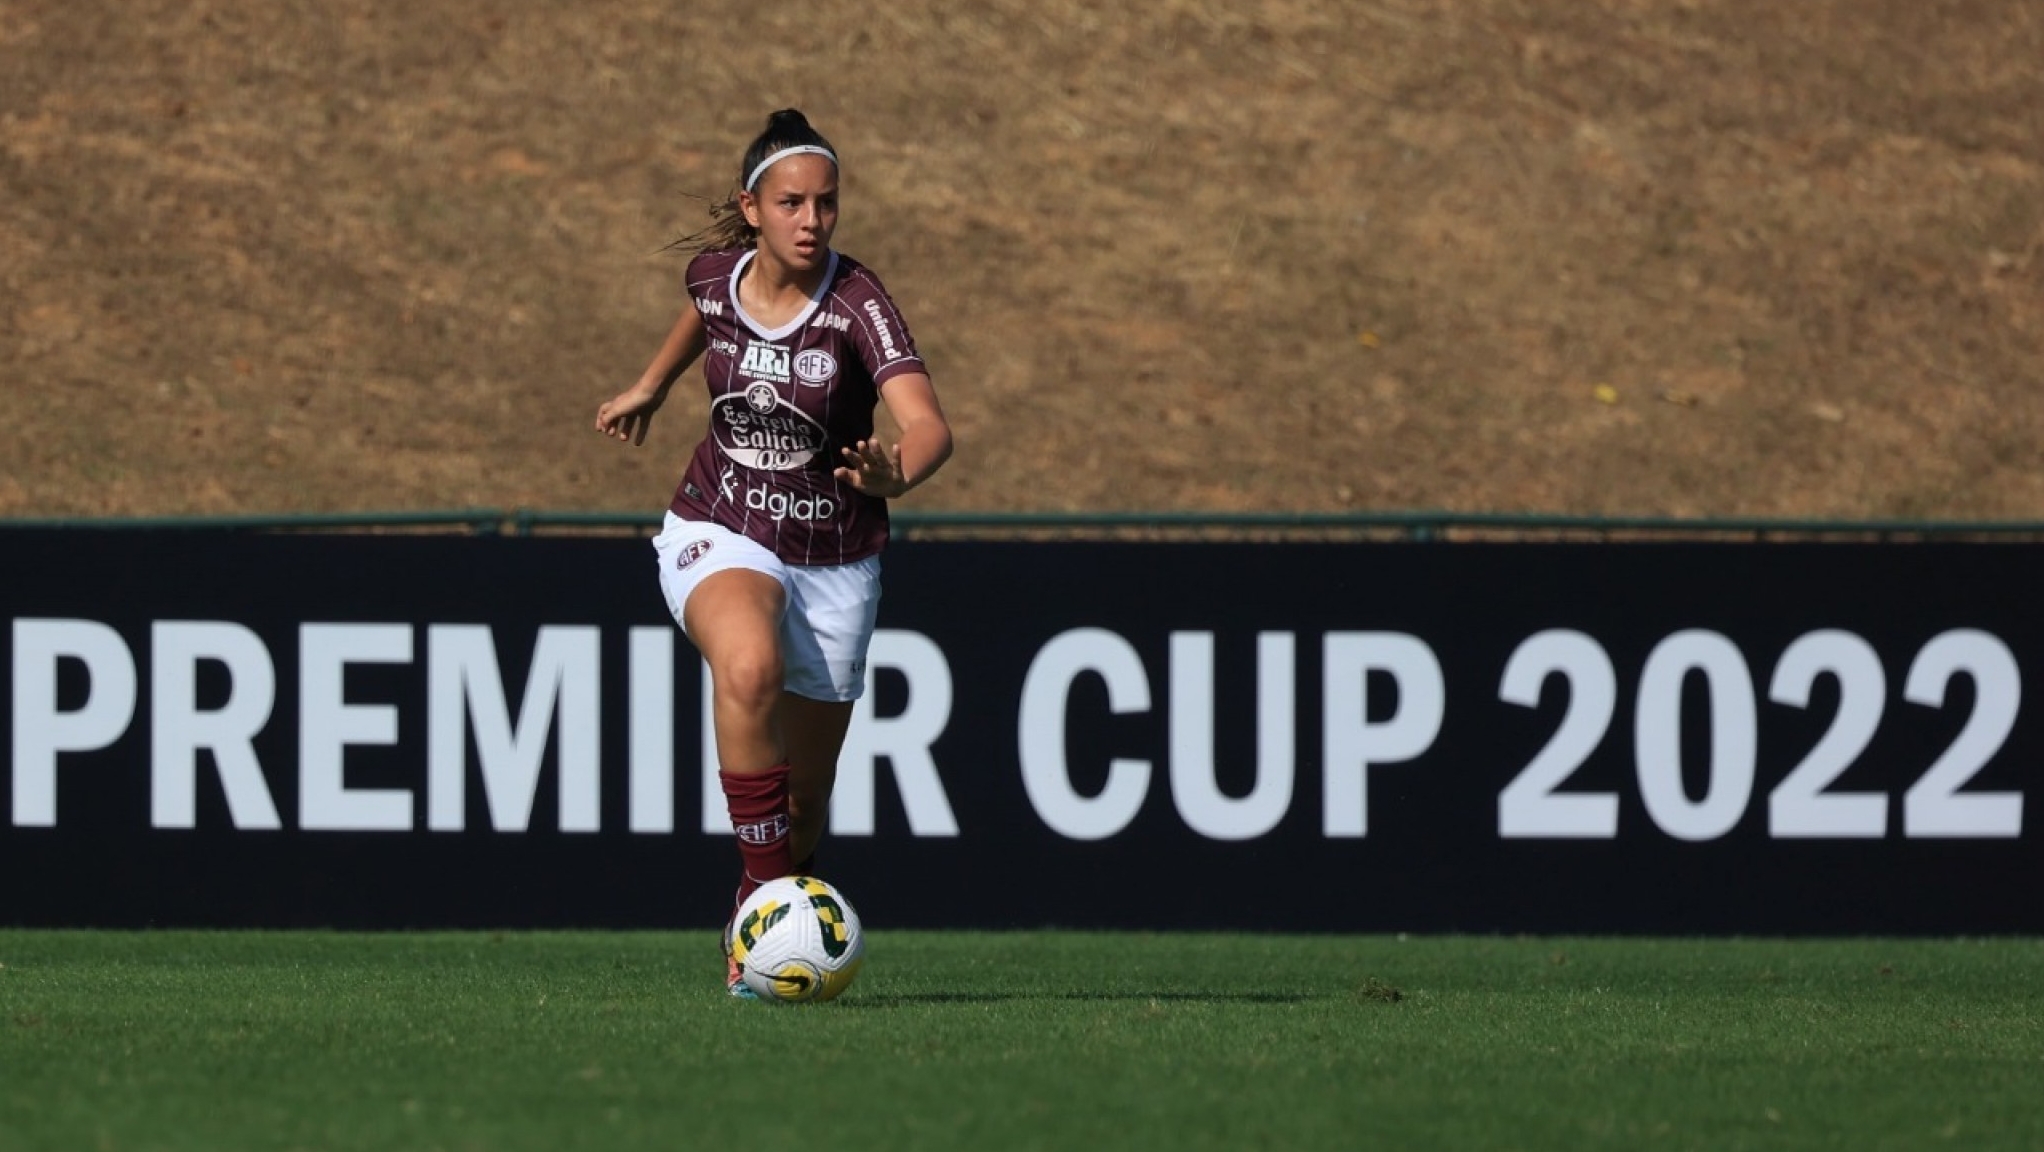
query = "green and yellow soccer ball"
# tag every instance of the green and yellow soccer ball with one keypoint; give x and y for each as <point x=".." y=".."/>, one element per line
<point x="797" y="939"/>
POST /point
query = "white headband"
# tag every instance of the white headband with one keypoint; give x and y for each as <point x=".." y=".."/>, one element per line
<point x="797" y="150"/>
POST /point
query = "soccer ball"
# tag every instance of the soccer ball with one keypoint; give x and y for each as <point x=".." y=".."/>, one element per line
<point x="797" y="939"/>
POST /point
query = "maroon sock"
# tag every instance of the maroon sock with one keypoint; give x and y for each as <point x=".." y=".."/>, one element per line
<point x="758" y="803"/>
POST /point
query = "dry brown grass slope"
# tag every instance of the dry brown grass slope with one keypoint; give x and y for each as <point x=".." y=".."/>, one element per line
<point x="1666" y="257"/>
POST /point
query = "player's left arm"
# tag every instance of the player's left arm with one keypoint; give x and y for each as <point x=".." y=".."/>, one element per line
<point x="874" y="468"/>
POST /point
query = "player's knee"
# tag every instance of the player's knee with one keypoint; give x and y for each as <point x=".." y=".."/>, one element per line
<point x="750" y="681"/>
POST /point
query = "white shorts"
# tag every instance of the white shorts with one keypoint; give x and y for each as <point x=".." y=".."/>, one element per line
<point x="831" y="609"/>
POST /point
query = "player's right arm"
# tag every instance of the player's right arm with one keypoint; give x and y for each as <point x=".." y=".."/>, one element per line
<point x="627" y="415"/>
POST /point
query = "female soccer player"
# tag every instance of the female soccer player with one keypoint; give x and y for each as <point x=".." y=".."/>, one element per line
<point x="770" y="551"/>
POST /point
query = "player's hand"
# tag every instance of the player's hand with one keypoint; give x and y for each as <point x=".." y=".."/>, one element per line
<point x="874" y="469"/>
<point x="627" y="415"/>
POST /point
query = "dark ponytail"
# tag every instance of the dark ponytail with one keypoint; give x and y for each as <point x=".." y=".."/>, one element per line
<point x="787" y="128"/>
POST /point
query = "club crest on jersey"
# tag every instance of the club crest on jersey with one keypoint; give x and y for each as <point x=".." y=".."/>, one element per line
<point x="815" y="366"/>
<point x="765" y="362"/>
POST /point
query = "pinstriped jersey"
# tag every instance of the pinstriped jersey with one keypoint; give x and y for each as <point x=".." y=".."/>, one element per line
<point x="784" y="402"/>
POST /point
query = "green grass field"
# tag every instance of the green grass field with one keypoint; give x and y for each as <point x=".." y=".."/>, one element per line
<point x="1027" y="1040"/>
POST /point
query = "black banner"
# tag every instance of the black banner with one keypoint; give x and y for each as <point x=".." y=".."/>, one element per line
<point x="217" y="729"/>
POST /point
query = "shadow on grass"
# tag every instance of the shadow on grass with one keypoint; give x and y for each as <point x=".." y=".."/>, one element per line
<point x="899" y="1000"/>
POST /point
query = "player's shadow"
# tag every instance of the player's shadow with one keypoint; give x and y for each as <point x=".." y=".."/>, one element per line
<point x="903" y="999"/>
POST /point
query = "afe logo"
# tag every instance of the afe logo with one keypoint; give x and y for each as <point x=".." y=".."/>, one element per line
<point x="815" y="366"/>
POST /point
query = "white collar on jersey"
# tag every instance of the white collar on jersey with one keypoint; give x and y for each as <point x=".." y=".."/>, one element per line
<point x="801" y="318"/>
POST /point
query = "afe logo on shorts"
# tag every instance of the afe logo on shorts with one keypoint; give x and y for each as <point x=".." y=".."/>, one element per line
<point x="696" y="550"/>
<point x="814" y="366"/>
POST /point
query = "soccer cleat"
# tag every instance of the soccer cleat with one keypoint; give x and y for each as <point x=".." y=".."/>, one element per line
<point x="734" y="982"/>
<point x="734" y="979"/>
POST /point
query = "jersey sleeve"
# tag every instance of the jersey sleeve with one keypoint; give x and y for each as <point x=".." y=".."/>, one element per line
<point x="698" y="276"/>
<point x="881" y="335"/>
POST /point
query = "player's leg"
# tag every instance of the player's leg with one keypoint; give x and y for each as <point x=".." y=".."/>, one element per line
<point x="729" y="594"/>
<point x="824" y="640"/>
<point x="734" y="618"/>
<point x="814" y="734"/>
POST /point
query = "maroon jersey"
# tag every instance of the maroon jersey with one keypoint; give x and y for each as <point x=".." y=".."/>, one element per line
<point x="784" y="402"/>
